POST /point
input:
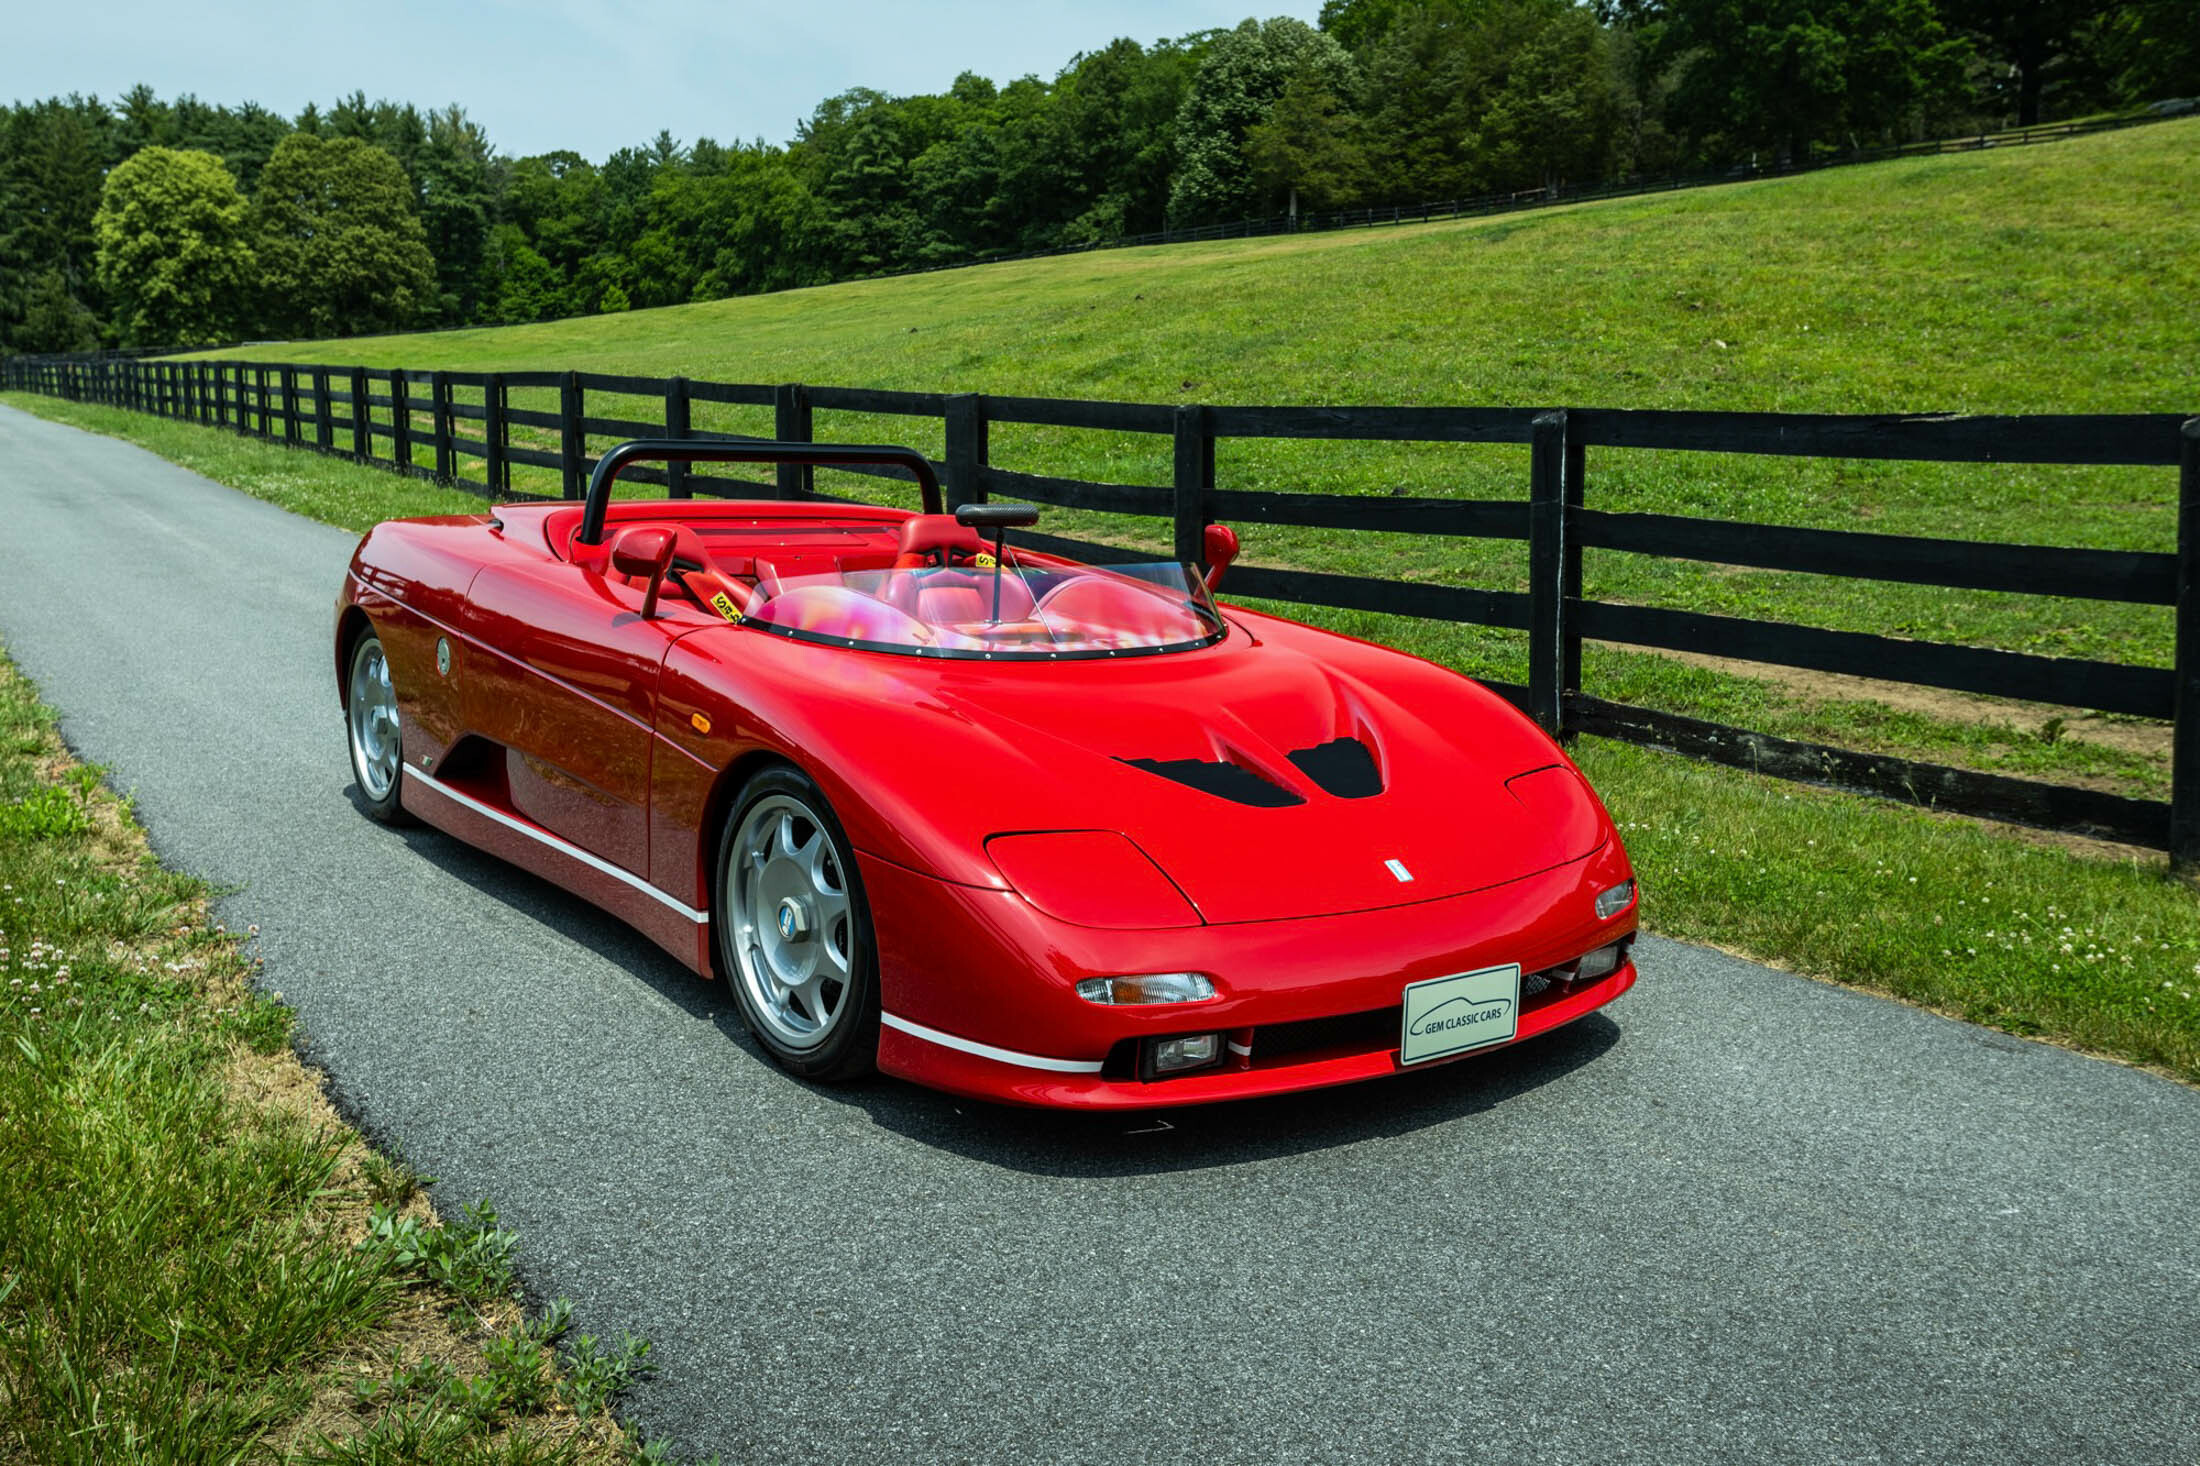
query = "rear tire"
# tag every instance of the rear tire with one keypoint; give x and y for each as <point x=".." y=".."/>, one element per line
<point x="794" y="930"/>
<point x="374" y="731"/>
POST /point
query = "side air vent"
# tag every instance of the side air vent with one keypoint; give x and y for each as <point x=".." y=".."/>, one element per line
<point x="1225" y="780"/>
<point x="1342" y="767"/>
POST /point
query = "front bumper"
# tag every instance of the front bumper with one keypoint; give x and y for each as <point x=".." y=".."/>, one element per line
<point x="978" y="987"/>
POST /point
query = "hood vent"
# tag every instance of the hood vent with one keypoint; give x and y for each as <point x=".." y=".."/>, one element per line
<point x="1342" y="767"/>
<point x="1229" y="781"/>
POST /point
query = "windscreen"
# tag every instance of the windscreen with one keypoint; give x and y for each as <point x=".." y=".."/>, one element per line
<point x="1023" y="608"/>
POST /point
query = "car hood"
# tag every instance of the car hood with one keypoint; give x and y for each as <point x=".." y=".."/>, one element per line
<point x="1212" y="762"/>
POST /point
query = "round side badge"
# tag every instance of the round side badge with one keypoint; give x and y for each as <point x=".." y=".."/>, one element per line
<point x="442" y="657"/>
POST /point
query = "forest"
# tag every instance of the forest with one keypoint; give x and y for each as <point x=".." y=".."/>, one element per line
<point x="145" y="222"/>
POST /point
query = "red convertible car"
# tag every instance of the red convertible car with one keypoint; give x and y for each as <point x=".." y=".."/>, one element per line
<point x="986" y="818"/>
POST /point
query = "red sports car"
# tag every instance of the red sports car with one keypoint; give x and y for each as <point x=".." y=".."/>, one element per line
<point x="985" y="818"/>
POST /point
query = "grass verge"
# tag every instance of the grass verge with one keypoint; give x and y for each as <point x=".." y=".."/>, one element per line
<point x="198" y="1261"/>
<point x="2090" y="947"/>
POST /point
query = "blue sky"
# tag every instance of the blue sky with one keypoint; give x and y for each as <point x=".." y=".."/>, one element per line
<point x="542" y="74"/>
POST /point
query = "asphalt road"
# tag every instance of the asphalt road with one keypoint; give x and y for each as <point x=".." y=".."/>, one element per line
<point x="1743" y="1217"/>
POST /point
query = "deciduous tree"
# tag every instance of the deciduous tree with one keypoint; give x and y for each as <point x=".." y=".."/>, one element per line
<point x="174" y="252"/>
<point x="1242" y="75"/>
<point x="341" y="252"/>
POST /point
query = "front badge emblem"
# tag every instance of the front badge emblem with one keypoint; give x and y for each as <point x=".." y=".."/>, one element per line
<point x="442" y="657"/>
<point x="1398" y="869"/>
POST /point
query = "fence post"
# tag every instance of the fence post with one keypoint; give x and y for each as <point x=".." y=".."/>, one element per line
<point x="1547" y="569"/>
<point x="572" y="441"/>
<point x="2184" y="775"/>
<point x="1194" y="475"/>
<point x="401" y="423"/>
<point x="292" y="428"/>
<point x="324" y="430"/>
<point x="439" y="398"/>
<point x="259" y="387"/>
<point x="677" y="411"/>
<point x="496" y="468"/>
<point x="793" y="422"/>
<point x="1569" y="588"/>
<point x="967" y="450"/>
<point x="362" y="417"/>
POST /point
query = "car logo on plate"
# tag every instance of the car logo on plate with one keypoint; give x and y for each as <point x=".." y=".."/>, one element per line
<point x="1459" y="1013"/>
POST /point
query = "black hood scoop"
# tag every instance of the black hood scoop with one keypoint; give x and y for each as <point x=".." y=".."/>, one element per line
<point x="1342" y="767"/>
<point x="1233" y="782"/>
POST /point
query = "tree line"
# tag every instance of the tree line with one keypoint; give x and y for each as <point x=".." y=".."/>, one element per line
<point x="182" y="222"/>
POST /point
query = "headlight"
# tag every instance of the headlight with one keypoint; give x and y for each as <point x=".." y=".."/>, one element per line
<point x="1611" y="903"/>
<point x="1153" y="987"/>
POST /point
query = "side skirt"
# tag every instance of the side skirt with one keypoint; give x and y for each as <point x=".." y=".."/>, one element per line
<point x="669" y="922"/>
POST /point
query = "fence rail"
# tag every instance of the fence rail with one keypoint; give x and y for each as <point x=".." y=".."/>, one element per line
<point x="333" y="410"/>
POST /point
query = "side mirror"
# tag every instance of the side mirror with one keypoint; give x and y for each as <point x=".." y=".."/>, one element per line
<point x="1220" y="543"/>
<point x="644" y="552"/>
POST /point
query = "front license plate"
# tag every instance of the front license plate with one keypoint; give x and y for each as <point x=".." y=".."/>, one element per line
<point x="1470" y="1010"/>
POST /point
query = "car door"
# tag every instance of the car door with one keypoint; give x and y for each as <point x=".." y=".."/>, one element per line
<point x="570" y="691"/>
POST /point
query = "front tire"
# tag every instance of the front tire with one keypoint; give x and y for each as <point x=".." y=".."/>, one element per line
<point x="794" y="930"/>
<point x="375" y="735"/>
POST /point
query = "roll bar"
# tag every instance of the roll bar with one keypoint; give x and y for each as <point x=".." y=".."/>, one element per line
<point x="685" y="450"/>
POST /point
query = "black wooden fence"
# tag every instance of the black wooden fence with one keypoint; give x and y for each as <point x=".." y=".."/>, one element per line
<point x="426" y="430"/>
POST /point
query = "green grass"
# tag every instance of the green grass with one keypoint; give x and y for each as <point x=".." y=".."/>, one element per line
<point x="2049" y="279"/>
<point x="197" y="1262"/>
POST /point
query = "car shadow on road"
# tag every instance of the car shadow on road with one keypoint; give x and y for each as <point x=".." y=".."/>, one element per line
<point x="1152" y="1142"/>
<point x="1056" y="1142"/>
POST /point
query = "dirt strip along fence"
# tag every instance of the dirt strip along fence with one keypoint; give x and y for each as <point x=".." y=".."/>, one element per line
<point x="425" y="430"/>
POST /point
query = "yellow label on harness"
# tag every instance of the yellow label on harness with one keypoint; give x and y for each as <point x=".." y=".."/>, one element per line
<point x="724" y="606"/>
<point x="985" y="561"/>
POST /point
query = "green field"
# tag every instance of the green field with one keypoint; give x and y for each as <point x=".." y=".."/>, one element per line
<point x="2048" y="279"/>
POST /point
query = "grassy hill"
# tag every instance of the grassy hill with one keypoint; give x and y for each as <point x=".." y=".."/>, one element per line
<point x="2053" y="278"/>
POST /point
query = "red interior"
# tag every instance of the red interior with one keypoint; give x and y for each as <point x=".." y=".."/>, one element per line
<point x="815" y="568"/>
